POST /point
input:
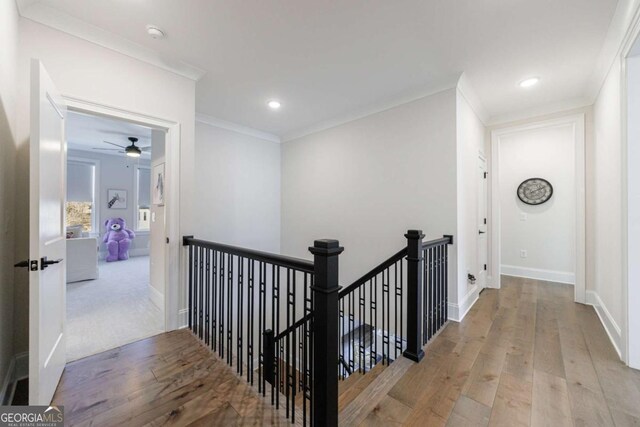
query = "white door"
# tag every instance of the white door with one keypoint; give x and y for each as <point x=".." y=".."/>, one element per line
<point x="47" y="237"/>
<point x="482" y="223"/>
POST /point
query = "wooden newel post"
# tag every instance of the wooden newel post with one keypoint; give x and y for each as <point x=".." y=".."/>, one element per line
<point x="325" y="332"/>
<point x="415" y="279"/>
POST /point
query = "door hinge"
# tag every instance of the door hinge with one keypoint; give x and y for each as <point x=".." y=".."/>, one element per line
<point x="167" y="240"/>
<point x="485" y="221"/>
<point x="485" y="175"/>
<point x="485" y="267"/>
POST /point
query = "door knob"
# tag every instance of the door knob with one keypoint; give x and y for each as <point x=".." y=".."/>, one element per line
<point x="21" y="264"/>
<point x="44" y="262"/>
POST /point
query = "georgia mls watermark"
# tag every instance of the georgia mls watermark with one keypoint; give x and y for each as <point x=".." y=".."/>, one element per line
<point x="31" y="416"/>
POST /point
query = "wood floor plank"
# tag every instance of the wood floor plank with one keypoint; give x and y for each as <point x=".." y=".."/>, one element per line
<point x="512" y="405"/>
<point x="550" y="401"/>
<point x="469" y="413"/>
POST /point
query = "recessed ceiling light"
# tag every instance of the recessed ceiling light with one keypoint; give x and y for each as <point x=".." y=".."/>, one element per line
<point x="529" y="82"/>
<point x="155" y="32"/>
<point x="274" y="105"/>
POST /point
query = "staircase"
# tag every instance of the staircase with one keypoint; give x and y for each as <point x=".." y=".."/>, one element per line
<point x="318" y="353"/>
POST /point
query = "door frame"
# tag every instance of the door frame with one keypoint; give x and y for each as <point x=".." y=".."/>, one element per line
<point x="485" y="282"/>
<point x="172" y="204"/>
<point x="630" y="328"/>
<point x="578" y="123"/>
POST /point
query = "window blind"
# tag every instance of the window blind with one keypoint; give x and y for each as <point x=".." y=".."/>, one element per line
<point x="80" y="182"/>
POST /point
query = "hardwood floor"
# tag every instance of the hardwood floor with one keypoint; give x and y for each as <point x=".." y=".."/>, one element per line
<point x="524" y="355"/>
<point x="168" y="379"/>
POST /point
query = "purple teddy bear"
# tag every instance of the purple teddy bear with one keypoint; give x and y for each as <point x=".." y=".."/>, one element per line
<point x="118" y="239"/>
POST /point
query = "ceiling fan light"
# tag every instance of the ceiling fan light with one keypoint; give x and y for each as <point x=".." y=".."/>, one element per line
<point x="133" y="151"/>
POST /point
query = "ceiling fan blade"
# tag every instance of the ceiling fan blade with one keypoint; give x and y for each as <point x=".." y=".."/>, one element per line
<point x="108" y="149"/>
<point x="117" y="145"/>
<point x="145" y="149"/>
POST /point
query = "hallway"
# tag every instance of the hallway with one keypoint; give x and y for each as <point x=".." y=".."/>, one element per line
<point x="524" y="355"/>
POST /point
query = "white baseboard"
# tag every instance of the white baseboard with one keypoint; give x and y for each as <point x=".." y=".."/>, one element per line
<point x="539" y="274"/>
<point x="18" y="369"/>
<point x="156" y="297"/>
<point x="183" y="319"/>
<point x="457" y="312"/>
<point x="609" y="324"/>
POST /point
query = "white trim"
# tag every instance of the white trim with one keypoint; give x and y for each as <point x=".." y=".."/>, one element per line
<point x="609" y="324"/>
<point x="18" y="370"/>
<point x="622" y="31"/>
<point x="469" y="94"/>
<point x="435" y="88"/>
<point x="183" y="316"/>
<point x="6" y="392"/>
<point x="630" y="209"/>
<point x="539" y="274"/>
<point x="457" y="312"/>
<point x="578" y="123"/>
<point x="156" y="297"/>
<point x="53" y="18"/>
<point x="173" y="257"/>
<point x="543" y="110"/>
<point x="235" y="127"/>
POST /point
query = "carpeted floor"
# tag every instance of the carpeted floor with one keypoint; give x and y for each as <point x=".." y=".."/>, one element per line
<point x="112" y="310"/>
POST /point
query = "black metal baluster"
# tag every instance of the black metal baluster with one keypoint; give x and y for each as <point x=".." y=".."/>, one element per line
<point x="261" y="325"/>
<point x="374" y="305"/>
<point x="191" y="309"/>
<point x="221" y="301"/>
<point x="200" y="292"/>
<point x="214" y="301"/>
<point x="230" y="310"/>
<point x="207" y="295"/>
<point x="240" y="314"/>
<point x="293" y="338"/>
<point x="251" y="312"/>
<point x="388" y="315"/>
<point x="372" y="331"/>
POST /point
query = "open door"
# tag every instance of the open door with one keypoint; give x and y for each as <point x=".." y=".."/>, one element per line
<point x="47" y="237"/>
<point x="482" y="223"/>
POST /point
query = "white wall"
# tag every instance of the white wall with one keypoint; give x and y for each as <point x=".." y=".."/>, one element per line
<point x="471" y="143"/>
<point x="237" y="189"/>
<point x="607" y="292"/>
<point x="116" y="172"/>
<point x="86" y="71"/>
<point x="8" y="49"/>
<point x="367" y="182"/>
<point x="548" y="231"/>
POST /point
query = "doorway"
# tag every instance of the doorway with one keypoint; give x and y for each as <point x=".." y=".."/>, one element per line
<point x="538" y="202"/>
<point x="113" y="217"/>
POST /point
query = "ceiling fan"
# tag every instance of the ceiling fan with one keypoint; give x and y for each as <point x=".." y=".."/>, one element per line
<point x="131" y="150"/>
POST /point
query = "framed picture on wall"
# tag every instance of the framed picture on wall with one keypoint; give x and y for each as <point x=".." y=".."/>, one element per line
<point x="117" y="199"/>
<point x="157" y="181"/>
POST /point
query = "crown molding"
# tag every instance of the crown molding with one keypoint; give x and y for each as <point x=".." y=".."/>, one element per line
<point x="469" y="94"/>
<point x="234" y="127"/>
<point x="622" y="30"/>
<point x="541" y="111"/>
<point x="45" y="15"/>
<point x="449" y="82"/>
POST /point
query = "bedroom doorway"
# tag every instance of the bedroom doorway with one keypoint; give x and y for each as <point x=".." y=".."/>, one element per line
<point x="115" y="224"/>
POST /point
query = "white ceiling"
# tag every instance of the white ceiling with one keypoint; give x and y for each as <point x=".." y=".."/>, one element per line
<point x="87" y="132"/>
<point x="328" y="59"/>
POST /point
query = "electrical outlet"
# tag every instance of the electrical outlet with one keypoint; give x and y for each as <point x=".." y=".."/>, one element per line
<point x="523" y="216"/>
<point x="523" y="253"/>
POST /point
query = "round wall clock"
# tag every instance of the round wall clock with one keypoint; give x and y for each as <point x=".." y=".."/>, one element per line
<point x="535" y="191"/>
